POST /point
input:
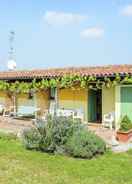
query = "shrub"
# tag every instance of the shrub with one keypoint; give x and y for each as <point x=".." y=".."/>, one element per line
<point x="63" y="135"/>
<point x="50" y="135"/>
<point x="58" y="130"/>
<point x="126" y="123"/>
<point x="85" y="144"/>
<point x="31" y="138"/>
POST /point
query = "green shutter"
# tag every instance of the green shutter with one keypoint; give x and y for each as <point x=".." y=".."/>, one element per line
<point x="126" y="102"/>
<point x="92" y="106"/>
<point x="52" y="92"/>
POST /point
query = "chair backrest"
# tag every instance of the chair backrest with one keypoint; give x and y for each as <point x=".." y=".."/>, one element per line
<point x="109" y="116"/>
<point x="64" y="112"/>
<point x="113" y="115"/>
<point x="1" y="108"/>
<point x="78" y="113"/>
<point x="68" y="112"/>
<point x="59" y="112"/>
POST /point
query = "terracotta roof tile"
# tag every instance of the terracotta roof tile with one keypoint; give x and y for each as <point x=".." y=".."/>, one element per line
<point x="83" y="71"/>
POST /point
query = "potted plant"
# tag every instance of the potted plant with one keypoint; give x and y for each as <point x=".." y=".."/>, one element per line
<point x="125" y="131"/>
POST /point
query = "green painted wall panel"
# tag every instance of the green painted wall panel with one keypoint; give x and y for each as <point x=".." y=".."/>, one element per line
<point x="92" y="107"/>
<point x="126" y="102"/>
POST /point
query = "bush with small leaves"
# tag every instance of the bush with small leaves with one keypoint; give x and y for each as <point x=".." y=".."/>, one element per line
<point x="55" y="132"/>
<point x="126" y="124"/>
<point x="85" y="144"/>
<point x="63" y="135"/>
<point x="50" y="135"/>
<point x="31" y="138"/>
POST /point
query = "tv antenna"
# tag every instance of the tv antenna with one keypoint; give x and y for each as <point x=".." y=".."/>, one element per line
<point x="11" y="61"/>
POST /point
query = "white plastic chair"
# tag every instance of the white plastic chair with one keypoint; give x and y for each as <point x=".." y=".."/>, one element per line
<point x="8" y="111"/>
<point x="68" y="112"/>
<point x="1" y="108"/>
<point x="45" y="114"/>
<point x="59" y="112"/>
<point x="64" y="112"/>
<point x="108" y="120"/>
<point x="78" y="114"/>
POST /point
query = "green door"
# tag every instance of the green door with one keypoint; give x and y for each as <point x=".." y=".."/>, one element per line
<point x="92" y="106"/>
<point x="126" y="102"/>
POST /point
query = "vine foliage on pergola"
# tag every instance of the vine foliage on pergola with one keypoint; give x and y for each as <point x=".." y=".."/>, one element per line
<point x="67" y="81"/>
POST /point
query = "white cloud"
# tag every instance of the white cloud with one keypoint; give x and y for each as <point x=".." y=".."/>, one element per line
<point x="92" y="32"/>
<point x="127" y="10"/>
<point x="55" y="18"/>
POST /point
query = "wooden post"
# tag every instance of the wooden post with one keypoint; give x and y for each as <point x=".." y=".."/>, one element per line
<point x="14" y="103"/>
<point x="56" y="98"/>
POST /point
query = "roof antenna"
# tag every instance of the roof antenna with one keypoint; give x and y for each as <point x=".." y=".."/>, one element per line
<point x="11" y="60"/>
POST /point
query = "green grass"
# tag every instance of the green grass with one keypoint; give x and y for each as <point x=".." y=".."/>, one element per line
<point x="19" y="166"/>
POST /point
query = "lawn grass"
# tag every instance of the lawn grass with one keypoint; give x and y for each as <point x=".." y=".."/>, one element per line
<point x="20" y="166"/>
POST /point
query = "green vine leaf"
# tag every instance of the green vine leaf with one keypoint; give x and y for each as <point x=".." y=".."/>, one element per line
<point x="67" y="81"/>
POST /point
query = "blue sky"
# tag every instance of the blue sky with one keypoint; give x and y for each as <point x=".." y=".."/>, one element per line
<point x="58" y="33"/>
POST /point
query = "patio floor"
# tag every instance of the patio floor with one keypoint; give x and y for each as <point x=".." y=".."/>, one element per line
<point x="12" y="125"/>
<point x="105" y="133"/>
